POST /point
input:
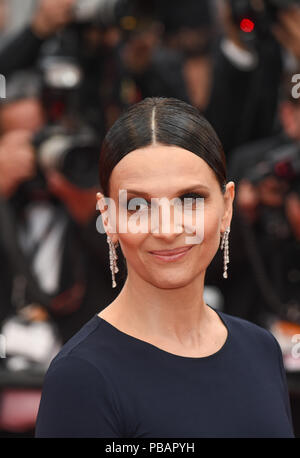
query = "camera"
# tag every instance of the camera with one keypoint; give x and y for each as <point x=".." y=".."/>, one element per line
<point x="255" y="17"/>
<point x="282" y="163"/>
<point x="72" y="152"/>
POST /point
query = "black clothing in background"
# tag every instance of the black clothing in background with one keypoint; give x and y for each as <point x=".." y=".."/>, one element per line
<point x="164" y="77"/>
<point x="243" y="103"/>
<point x="20" y="52"/>
<point x="106" y="383"/>
<point x="100" y="88"/>
<point x="86" y="251"/>
<point x="84" y="285"/>
<point x="262" y="264"/>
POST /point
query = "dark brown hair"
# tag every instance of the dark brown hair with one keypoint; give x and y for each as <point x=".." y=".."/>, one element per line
<point x="167" y="121"/>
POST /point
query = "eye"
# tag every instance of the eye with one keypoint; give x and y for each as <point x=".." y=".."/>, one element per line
<point x="134" y="203"/>
<point x="191" y="198"/>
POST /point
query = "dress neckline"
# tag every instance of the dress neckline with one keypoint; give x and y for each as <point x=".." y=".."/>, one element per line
<point x="149" y="345"/>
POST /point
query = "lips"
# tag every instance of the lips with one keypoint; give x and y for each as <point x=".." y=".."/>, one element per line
<point x="171" y="252"/>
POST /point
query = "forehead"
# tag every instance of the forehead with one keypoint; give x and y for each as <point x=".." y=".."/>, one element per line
<point x="157" y="168"/>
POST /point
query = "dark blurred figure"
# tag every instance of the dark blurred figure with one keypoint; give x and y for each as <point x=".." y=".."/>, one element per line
<point x="247" y="74"/>
<point x="22" y="108"/>
<point x="172" y="56"/>
<point x="265" y="237"/>
<point x="21" y="115"/>
<point x="54" y="271"/>
<point x="50" y="215"/>
<point x="56" y="40"/>
<point x="143" y="48"/>
<point x="268" y="199"/>
<point x="50" y="17"/>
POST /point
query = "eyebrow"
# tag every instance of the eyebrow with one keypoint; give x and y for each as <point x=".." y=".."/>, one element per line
<point x="182" y="191"/>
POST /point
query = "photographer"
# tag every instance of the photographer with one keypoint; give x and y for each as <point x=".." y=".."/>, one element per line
<point x="265" y="234"/>
<point x="50" y="16"/>
<point x="60" y="34"/>
<point x="48" y="236"/>
<point x="172" y="57"/>
<point x="54" y="263"/>
<point x="17" y="165"/>
<point x="21" y="114"/>
<point x="248" y="69"/>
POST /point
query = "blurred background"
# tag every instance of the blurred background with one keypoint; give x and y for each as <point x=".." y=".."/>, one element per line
<point x="71" y="67"/>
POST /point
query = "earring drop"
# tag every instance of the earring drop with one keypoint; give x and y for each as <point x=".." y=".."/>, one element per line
<point x="113" y="260"/>
<point x="225" y="246"/>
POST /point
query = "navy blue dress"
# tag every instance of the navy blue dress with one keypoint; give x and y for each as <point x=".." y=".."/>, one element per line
<point x="106" y="383"/>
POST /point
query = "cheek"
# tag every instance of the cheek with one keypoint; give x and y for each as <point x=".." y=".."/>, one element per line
<point x="130" y="244"/>
<point x="205" y="251"/>
<point x="211" y="239"/>
<point x="212" y="224"/>
<point x="132" y="233"/>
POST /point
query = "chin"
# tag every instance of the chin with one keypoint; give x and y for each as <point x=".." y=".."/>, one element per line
<point x="171" y="282"/>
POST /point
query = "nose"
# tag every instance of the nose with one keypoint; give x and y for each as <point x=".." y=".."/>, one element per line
<point x="166" y="221"/>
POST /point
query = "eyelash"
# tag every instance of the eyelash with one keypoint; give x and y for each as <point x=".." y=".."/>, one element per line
<point x="193" y="195"/>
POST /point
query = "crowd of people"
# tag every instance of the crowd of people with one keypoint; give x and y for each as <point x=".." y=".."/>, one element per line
<point x="69" y="73"/>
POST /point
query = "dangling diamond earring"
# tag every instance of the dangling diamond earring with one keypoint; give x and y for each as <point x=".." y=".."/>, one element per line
<point x="113" y="260"/>
<point x="225" y="245"/>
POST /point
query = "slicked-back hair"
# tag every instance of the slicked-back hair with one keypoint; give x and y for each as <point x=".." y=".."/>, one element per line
<point x="166" y="121"/>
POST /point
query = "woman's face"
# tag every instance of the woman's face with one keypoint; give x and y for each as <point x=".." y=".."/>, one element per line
<point x="168" y="172"/>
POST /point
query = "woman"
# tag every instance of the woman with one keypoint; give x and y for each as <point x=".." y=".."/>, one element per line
<point x="158" y="361"/>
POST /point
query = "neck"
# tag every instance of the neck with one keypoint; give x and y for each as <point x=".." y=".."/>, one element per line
<point x="169" y="313"/>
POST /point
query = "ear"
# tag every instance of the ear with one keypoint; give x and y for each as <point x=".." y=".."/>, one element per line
<point x="102" y="206"/>
<point x="228" y="205"/>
